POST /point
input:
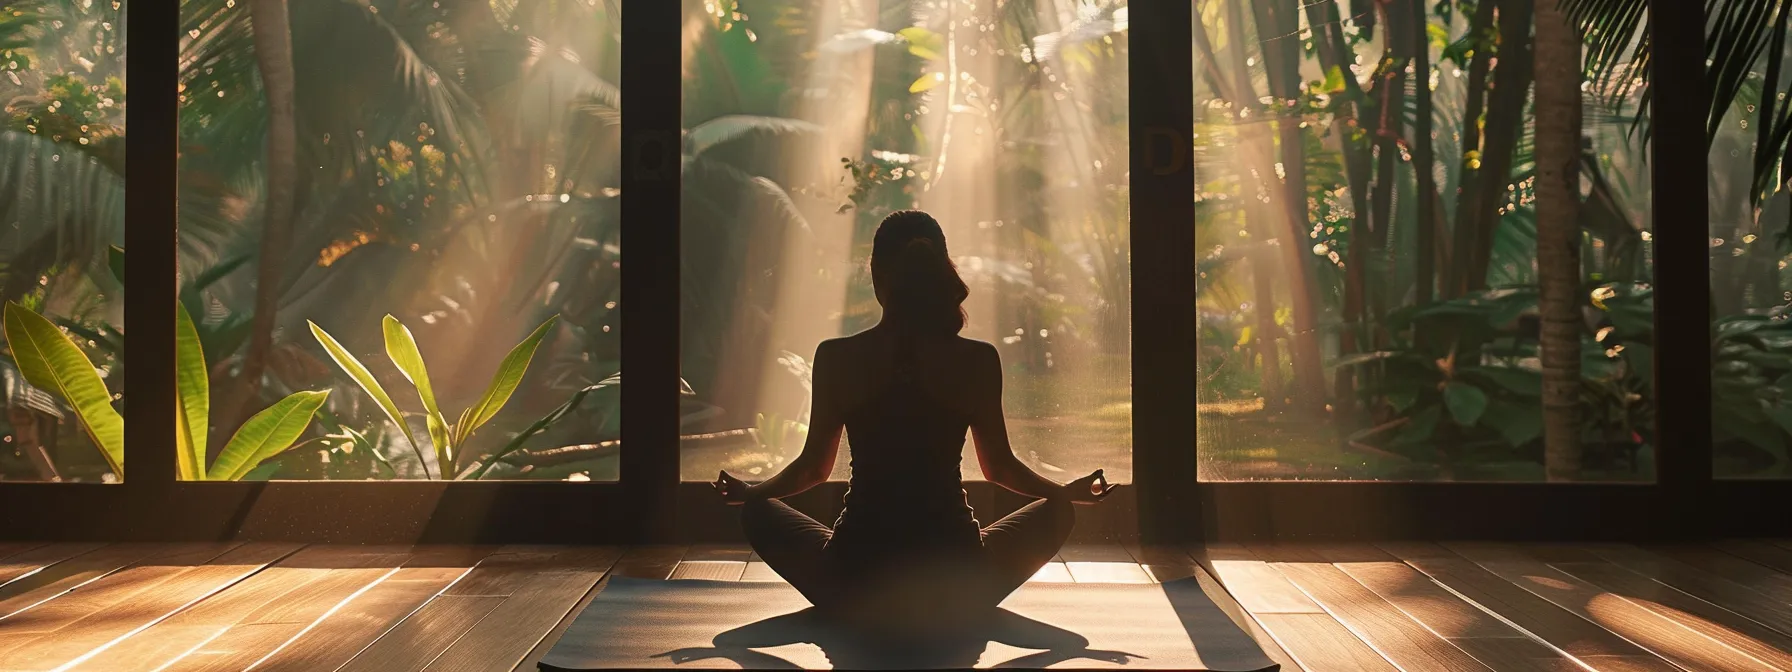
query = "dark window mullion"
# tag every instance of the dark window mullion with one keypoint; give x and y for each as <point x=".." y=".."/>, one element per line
<point x="151" y="141"/>
<point x="1682" y="256"/>
<point x="651" y="84"/>
<point x="1161" y="100"/>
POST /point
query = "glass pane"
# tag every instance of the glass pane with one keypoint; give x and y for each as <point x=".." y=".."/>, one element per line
<point x="1751" y="214"/>
<point x="444" y="192"/>
<point x="810" y="120"/>
<point x="62" y="85"/>
<point x="1368" y="313"/>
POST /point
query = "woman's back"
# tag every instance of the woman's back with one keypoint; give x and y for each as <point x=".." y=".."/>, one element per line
<point x="908" y="404"/>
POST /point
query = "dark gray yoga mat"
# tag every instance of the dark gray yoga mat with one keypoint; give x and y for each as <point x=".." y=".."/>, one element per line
<point x="641" y="623"/>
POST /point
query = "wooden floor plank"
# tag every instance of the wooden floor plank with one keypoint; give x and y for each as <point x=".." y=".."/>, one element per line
<point x="94" y="596"/>
<point x="525" y="621"/>
<point x="718" y="553"/>
<point x="1402" y="640"/>
<point x="1259" y="587"/>
<point x="350" y="571"/>
<point x="1426" y="601"/>
<point x="419" y="639"/>
<point x="1704" y="585"/>
<point x="51" y="581"/>
<point x="1759" y="552"/>
<point x="27" y="562"/>
<point x="1320" y="643"/>
<point x="649" y="562"/>
<point x="130" y="601"/>
<point x="711" y="570"/>
<point x="1107" y="572"/>
<point x="1759" y="578"/>
<point x="12" y="548"/>
<point x="1243" y="619"/>
<point x="1759" y="641"/>
<point x="175" y="636"/>
<point x="332" y="642"/>
<point x="1561" y="628"/>
<point x="1649" y="629"/>
<point x="1095" y="553"/>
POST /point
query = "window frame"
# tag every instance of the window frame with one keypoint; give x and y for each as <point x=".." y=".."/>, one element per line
<point x="1165" y="503"/>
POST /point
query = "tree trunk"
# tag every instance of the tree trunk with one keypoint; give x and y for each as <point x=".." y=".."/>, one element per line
<point x="1390" y="93"/>
<point x="1277" y="20"/>
<point x="1256" y="171"/>
<point x="1425" y="263"/>
<point x="1328" y="38"/>
<point x="1558" y="236"/>
<point x="1479" y="215"/>
<point x="1469" y="183"/>
<point x="273" y="55"/>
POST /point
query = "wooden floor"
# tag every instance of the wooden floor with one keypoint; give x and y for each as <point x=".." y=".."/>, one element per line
<point x="1412" y="606"/>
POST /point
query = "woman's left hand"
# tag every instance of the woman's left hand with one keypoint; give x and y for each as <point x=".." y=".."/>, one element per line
<point x="732" y="490"/>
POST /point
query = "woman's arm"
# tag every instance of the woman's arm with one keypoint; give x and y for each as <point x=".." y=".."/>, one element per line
<point x="816" y="461"/>
<point x="989" y="429"/>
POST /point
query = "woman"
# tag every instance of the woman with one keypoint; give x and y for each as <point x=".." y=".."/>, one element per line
<point x="906" y="544"/>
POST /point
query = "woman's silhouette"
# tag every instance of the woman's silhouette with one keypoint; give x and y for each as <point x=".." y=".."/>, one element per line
<point x="906" y="545"/>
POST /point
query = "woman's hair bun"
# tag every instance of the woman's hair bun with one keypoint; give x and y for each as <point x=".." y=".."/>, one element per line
<point x="918" y="283"/>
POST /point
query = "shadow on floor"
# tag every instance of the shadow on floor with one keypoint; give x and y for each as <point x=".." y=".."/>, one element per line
<point x="861" y="647"/>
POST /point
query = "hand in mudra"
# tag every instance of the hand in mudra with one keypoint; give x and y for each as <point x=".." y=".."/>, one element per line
<point x="1089" y="489"/>
<point x="732" y="490"/>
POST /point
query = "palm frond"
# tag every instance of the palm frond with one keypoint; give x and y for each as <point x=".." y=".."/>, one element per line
<point x="720" y="130"/>
<point x="60" y="206"/>
<point x="1741" y="35"/>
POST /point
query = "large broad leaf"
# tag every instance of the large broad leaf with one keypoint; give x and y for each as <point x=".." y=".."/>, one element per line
<point x="358" y="371"/>
<point x="266" y="434"/>
<point x="539" y="426"/>
<point x="1518" y="424"/>
<point x="735" y="126"/>
<point x="192" y="387"/>
<point x="402" y="348"/>
<point x="115" y="262"/>
<point x="1466" y="402"/>
<point x="50" y="361"/>
<point x="504" y="383"/>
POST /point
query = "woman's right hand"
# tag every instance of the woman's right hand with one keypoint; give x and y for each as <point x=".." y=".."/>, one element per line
<point x="1089" y="489"/>
<point x="732" y="490"/>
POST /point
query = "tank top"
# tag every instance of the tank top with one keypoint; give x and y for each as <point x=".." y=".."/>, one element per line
<point x="905" y="492"/>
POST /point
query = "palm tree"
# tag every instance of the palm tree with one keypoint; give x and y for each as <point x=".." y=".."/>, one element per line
<point x="1558" y="236"/>
<point x="272" y="31"/>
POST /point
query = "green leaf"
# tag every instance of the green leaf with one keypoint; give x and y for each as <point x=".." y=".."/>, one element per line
<point x="1466" y="402"/>
<point x="1439" y="36"/>
<point x="923" y="42"/>
<point x="52" y="362"/>
<point x="1334" y="80"/>
<point x="192" y="387"/>
<point x="356" y="370"/>
<point x="539" y="426"/>
<point x="1517" y="424"/>
<point x="402" y="348"/>
<point x="927" y="81"/>
<point x="504" y="382"/>
<point x="1523" y="382"/>
<point x="115" y="262"/>
<point x="266" y="434"/>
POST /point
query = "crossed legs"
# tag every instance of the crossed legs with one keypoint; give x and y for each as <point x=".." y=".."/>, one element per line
<point x="1014" y="548"/>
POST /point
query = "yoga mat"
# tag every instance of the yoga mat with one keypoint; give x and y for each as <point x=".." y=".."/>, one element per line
<point x="650" y="624"/>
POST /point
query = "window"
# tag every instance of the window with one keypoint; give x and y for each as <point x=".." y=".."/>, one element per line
<point x="808" y="122"/>
<point x="62" y="140"/>
<point x="1373" y="254"/>
<point x="445" y="193"/>
<point x="1750" y="214"/>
